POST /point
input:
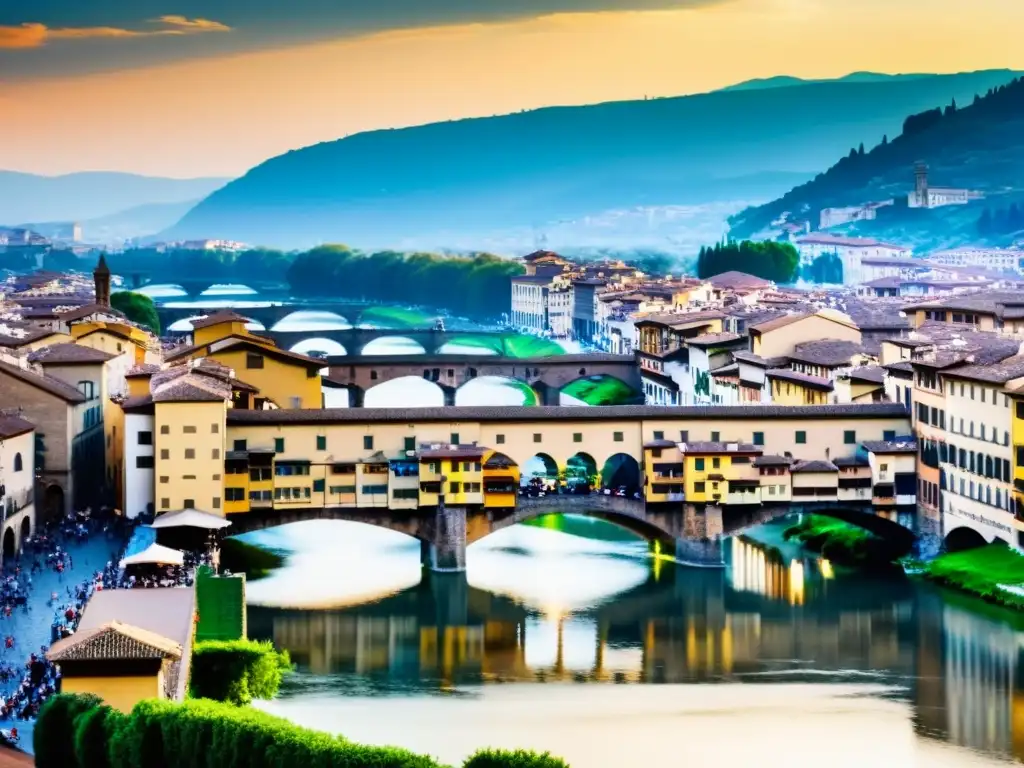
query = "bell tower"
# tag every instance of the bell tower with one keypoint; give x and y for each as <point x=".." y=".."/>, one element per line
<point x="101" y="277"/>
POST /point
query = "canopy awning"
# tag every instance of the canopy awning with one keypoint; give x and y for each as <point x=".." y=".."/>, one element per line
<point x="190" y="518"/>
<point x="155" y="554"/>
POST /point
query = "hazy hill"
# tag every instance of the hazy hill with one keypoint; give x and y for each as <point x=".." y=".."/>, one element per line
<point x="978" y="145"/>
<point x="786" y="81"/>
<point x="82" y="196"/>
<point x="562" y="163"/>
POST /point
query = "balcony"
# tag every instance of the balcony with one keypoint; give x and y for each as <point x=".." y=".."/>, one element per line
<point x="14" y="503"/>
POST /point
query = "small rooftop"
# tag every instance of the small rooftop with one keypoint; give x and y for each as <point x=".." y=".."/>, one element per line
<point x="69" y="354"/>
<point x="890" y="446"/>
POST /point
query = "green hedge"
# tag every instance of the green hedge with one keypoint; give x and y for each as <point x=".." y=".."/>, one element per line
<point x="499" y="758"/>
<point x="237" y="671"/>
<point x="83" y="733"/>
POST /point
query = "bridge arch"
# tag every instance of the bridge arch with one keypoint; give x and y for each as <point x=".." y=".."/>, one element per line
<point x="312" y="320"/>
<point x="581" y="469"/>
<point x="393" y="345"/>
<point x="621" y="470"/>
<point x="496" y="390"/>
<point x="963" y="538"/>
<point x="319" y="344"/>
<point x="539" y="468"/>
<point x="597" y="389"/>
<point x="405" y="392"/>
<point x="470" y="346"/>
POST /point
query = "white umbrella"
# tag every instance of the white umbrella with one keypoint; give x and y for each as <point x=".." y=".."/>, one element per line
<point x="190" y="518"/>
<point x="155" y="554"/>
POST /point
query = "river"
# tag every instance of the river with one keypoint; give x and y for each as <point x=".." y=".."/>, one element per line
<point x="566" y="636"/>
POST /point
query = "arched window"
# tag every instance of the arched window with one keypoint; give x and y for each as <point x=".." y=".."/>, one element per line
<point x="18" y="464"/>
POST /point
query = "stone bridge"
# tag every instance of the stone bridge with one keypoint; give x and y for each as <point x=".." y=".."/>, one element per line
<point x="546" y="376"/>
<point x="689" y="534"/>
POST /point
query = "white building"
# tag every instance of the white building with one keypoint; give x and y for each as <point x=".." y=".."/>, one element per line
<point x="926" y="196"/>
<point x="530" y="303"/>
<point x="852" y="251"/>
<point x="17" y="481"/>
<point x="834" y="217"/>
<point x="138" y="459"/>
<point x="999" y="259"/>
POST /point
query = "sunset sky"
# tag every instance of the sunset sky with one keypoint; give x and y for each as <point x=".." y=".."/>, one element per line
<point x="212" y="87"/>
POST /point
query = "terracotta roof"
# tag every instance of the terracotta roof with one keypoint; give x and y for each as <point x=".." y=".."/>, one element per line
<point x="264" y="348"/>
<point x="222" y="316"/>
<point x="814" y="466"/>
<point x="561" y="414"/>
<point x="720" y="447"/>
<point x="736" y="279"/>
<point x="433" y="451"/>
<point x="190" y="388"/>
<point x="50" y="384"/>
<point x="803" y="379"/>
<point x="993" y="373"/>
<point x="873" y="374"/>
<point x="12" y="426"/>
<point x="69" y="354"/>
<point x="772" y="461"/>
<point x="780" y="322"/>
<point x="30" y="335"/>
<point x="830" y="353"/>
<point x="660" y="444"/>
<point x="851" y="461"/>
<point x="714" y="339"/>
<point x="113" y="640"/>
<point x="144" y="370"/>
<point x="90" y="309"/>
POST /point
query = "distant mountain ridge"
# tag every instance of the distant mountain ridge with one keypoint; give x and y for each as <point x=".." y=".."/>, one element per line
<point x="526" y="169"/>
<point x="978" y="146"/>
<point x="787" y="81"/>
<point x="90" y="195"/>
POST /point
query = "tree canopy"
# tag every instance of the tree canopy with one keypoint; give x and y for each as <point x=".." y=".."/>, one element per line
<point x="138" y="308"/>
<point x="768" y="260"/>
<point x="827" y="268"/>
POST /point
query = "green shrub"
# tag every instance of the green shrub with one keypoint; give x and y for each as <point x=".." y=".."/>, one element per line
<point x="980" y="572"/>
<point x="520" y="758"/>
<point x="53" y="739"/>
<point x="92" y="731"/>
<point x="237" y="671"/>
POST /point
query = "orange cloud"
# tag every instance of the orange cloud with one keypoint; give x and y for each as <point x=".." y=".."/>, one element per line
<point x="33" y="35"/>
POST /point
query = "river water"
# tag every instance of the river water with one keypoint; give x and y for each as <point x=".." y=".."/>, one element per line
<point x="566" y="636"/>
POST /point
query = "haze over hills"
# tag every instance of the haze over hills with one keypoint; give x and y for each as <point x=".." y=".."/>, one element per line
<point x="478" y="175"/>
<point x="978" y="146"/>
<point x="25" y="197"/>
<point x="785" y="81"/>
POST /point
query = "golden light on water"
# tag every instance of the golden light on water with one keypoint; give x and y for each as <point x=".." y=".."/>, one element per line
<point x="827" y="572"/>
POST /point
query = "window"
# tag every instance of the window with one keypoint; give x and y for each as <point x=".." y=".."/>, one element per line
<point x="189" y="504"/>
<point x="278" y="445"/>
<point x="883" y="467"/>
<point x="165" y="453"/>
<point x="698" y="464"/>
<point x="240" y="445"/>
<point x="145" y="438"/>
<point x="165" y="429"/>
<point x="801" y="437"/>
<point x="252" y="360"/>
<point x="698" y="487"/>
<point x="759" y="438"/>
<point x="716" y="437"/>
<point x="216" y="478"/>
<point x="850" y="437"/>
<point x="165" y="503"/>
<point x="454" y="487"/>
<point x="889" y="435"/>
<point x="215" y="454"/>
<point x="536" y="437"/>
<point x="188" y="429"/>
<point x="617" y="437"/>
<point x="373" y="375"/>
<point x="234" y="494"/>
<point x="499" y="439"/>
<point x="318" y="486"/>
<point x="141" y="462"/>
<point x="577" y="437"/>
<point x="367" y="442"/>
<point x="343" y="489"/>
<point x="215" y="428"/>
<point x="716" y="463"/>
<point x="659" y="435"/>
<point x="321" y="442"/>
<point x="410" y="444"/>
<point x="190" y="453"/>
<point x="259" y="474"/>
<point x="165" y="479"/>
<point x="216" y="502"/>
<point x="87" y="388"/>
<point x="455" y="438"/>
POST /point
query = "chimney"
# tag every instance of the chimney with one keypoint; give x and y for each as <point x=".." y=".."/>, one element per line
<point x="101" y="277"/>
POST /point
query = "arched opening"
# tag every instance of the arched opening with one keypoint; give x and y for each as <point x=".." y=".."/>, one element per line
<point x="581" y="473"/>
<point x="18" y="464"/>
<point x="470" y="346"/>
<point x="312" y="320"/>
<point x="964" y="538"/>
<point x="320" y="347"/>
<point x="396" y="317"/>
<point x="405" y="392"/>
<point x="10" y="545"/>
<point x="621" y="474"/>
<point x="162" y="291"/>
<point x="496" y="390"/>
<point x="539" y="473"/>
<point x="227" y="289"/>
<point x="26" y="529"/>
<point x="393" y="345"/>
<point x="598" y="390"/>
<point x="53" y="502"/>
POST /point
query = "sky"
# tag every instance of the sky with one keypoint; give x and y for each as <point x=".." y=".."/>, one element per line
<point x="189" y="88"/>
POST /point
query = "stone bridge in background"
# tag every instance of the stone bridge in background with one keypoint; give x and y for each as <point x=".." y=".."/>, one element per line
<point x="690" y="534"/>
<point x="546" y="376"/>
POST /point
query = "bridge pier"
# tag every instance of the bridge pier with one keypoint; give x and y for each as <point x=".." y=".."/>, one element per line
<point x="929" y="536"/>
<point x="450" y="593"/>
<point x="445" y="551"/>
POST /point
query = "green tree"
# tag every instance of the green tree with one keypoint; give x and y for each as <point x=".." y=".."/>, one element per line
<point x="138" y="308"/>
<point x="827" y="268"/>
<point x="769" y="260"/>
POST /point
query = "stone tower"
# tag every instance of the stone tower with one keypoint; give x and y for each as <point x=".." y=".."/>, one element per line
<point x="921" y="184"/>
<point x="101" y="277"/>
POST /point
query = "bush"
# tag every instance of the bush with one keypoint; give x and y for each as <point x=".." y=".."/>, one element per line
<point x="93" y="729"/>
<point x="53" y="739"/>
<point x="520" y="758"/>
<point x="237" y="671"/>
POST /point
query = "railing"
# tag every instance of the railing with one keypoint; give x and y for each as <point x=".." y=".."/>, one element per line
<point x="15" y="503"/>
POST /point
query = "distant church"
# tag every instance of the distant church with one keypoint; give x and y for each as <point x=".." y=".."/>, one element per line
<point x="925" y="196"/>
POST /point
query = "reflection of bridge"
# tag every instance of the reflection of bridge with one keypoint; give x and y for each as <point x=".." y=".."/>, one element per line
<point x="546" y="376"/>
<point x="356" y="340"/>
<point x="691" y="534"/>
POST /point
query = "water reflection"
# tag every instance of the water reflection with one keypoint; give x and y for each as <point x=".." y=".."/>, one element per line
<point x="541" y="606"/>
